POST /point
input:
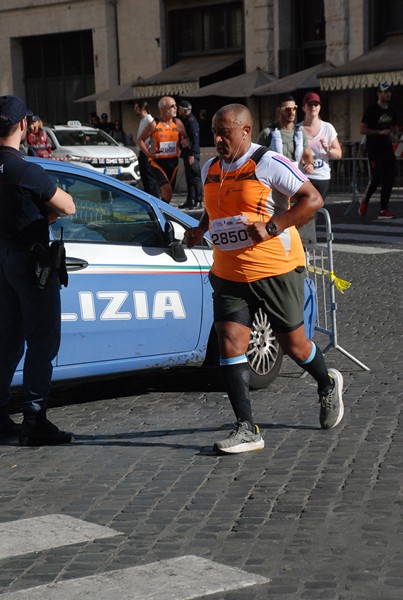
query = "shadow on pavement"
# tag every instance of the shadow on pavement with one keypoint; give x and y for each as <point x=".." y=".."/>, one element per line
<point x="187" y="379"/>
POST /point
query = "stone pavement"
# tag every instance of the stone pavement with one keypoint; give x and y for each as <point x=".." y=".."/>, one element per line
<point x="319" y="513"/>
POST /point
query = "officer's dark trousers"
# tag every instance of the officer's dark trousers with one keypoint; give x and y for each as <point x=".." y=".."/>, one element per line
<point x="31" y="315"/>
<point x="193" y="181"/>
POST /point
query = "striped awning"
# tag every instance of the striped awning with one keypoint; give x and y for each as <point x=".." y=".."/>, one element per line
<point x="177" y="80"/>
<point x="382" y="63"/>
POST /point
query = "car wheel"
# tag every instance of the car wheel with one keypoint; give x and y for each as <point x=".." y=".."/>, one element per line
<point x="264" y="353"/>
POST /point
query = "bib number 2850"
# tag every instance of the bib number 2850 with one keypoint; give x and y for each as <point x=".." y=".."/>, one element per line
<point x="229" y="237"/>
<point x="230" y="233"/>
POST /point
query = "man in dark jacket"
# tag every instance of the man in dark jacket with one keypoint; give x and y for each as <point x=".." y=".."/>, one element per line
<point x="191" y="157"/>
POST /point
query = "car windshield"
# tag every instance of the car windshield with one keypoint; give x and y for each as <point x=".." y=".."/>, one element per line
<point x="83" y="137"/>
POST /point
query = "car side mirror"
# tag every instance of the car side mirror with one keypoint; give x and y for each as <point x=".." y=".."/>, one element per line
<point x="169" y="233"/>
<point x="178" y="252"/>
<point x="177" y="248"/>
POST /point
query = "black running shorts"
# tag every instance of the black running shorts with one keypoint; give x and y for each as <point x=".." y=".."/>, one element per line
<point x="281" y="297"/>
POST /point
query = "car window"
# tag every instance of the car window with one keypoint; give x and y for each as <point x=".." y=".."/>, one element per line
<point x="83" y="137"/>
<point x="105" y="215"/>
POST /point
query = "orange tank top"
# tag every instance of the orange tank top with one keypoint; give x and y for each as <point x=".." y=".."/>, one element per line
<point x="240" y="195"/>
<point x="166" y="138"/>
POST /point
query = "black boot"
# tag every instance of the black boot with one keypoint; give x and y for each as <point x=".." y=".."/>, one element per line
<point x="8" y="428"/>
<point x="188" y="204"/>
<point x="38" y="431"/>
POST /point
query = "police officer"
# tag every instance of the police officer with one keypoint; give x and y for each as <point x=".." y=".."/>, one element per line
<point x="29" y="200"/>
<point x="191" y="157"/>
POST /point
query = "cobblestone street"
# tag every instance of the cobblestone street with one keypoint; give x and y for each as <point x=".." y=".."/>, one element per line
<point x="318" y="513"/>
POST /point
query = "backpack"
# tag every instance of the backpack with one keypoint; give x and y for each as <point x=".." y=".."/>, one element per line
<point x="266" y="138"/>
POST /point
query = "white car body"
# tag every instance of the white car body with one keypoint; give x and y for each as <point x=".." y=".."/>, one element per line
<point x="93" y="147"/>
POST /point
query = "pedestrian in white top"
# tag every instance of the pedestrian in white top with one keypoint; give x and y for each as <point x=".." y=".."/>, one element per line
<point x="141" y="110"/>
<point x="323" y="142"/>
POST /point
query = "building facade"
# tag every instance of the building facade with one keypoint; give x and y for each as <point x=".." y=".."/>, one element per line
<point x="56" y="52"/>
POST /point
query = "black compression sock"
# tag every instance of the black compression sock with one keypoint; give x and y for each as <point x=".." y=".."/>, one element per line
<point x="315" y="365"/>
<point x="237" y="378"/>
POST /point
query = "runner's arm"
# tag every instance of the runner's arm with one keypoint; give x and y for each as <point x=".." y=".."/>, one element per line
<point x="307" y="201"/>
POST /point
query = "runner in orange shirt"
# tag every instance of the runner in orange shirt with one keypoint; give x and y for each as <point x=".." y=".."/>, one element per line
<point x="259" y="262"/>
<point x="167" y="134"/>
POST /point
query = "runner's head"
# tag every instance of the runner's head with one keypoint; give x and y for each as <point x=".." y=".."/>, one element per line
<point x="232" y="128"/>
<point x="167" y="107"/>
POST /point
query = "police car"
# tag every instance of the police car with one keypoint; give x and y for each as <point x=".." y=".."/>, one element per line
<point x="78" y="143"/>
<point x="137" y="298"/>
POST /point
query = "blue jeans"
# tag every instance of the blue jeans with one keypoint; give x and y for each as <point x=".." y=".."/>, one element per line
<point x="27" y="315"/>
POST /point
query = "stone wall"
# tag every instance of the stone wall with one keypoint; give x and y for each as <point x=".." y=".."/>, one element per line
<point x="141" y="50"/>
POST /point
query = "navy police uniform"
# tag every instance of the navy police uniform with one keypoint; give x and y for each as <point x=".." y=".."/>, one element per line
<point x="29" y="316"/>
<point x="192" y="171"/>
<point x="27" y="313"/>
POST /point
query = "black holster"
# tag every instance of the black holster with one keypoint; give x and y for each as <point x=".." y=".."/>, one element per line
<point x="48" y="260"/>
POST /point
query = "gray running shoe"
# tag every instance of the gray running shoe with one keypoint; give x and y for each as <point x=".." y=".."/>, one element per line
<point x="241" y="439"/>
<point x="331" y="404"/>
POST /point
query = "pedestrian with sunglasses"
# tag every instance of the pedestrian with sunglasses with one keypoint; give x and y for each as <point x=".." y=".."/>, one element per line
<point x="286" y="138"/>
<point x="168" y="136"/>
<point x="323" y="142"/>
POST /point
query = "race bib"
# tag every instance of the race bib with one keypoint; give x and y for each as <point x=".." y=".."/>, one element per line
<point x="168" y="147"/>
<point x="230" y="233"/>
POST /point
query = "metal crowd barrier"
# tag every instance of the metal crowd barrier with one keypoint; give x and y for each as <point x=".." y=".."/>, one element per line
<point x="350" y="174"/>
<point x="319" y="258"/>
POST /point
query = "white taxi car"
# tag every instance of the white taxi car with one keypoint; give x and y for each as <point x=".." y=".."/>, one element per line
<point x="137" y="298"/>
<point x="77" y="143"/>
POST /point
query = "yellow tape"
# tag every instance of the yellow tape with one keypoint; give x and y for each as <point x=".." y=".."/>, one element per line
<point x="341" y="284"/>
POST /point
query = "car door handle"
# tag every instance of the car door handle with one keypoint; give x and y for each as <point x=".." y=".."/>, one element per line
<point x="75" y="264"/>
